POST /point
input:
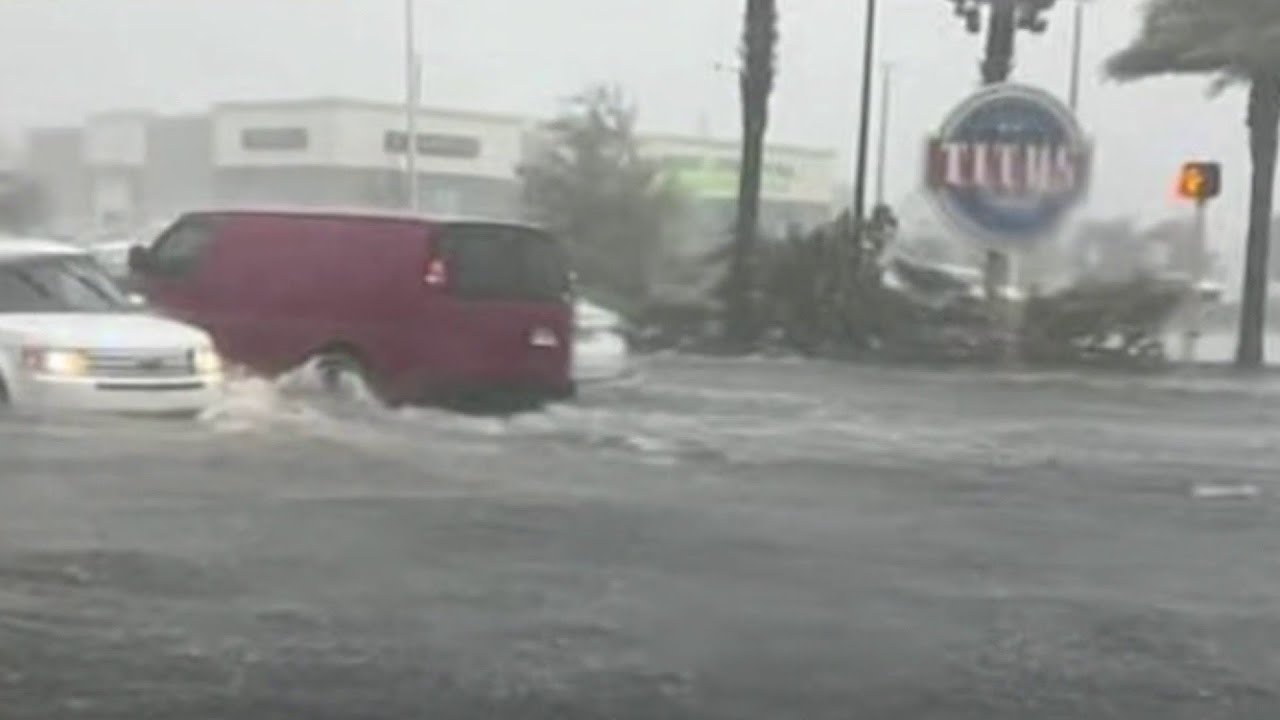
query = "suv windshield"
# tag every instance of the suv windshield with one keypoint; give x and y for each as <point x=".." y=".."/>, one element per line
<point x="58" y="286"/>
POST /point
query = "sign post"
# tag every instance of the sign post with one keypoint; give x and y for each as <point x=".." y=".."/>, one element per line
<point x="1198" y="182"/>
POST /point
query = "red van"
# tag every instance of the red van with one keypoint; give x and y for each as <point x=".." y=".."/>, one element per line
<point x="422" y="310"/>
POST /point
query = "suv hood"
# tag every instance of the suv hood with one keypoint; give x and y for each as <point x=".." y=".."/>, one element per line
<point x="100" y="331"/>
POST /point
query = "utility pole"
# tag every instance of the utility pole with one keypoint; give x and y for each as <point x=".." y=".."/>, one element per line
<point x="886" y="94"/>
<point x="1199" y="257"/>
<point x="411" y="81"/>
<point x="1077" y="43"/>
<point x="1198" y="182"/>
<point x="997" y="65"/>
<point x="864" y="128"/>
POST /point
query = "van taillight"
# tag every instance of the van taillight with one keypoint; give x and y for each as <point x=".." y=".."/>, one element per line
<point x="437" y="274"/>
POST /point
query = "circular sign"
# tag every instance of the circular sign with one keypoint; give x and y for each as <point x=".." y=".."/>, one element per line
<point x="1008" y="165"/>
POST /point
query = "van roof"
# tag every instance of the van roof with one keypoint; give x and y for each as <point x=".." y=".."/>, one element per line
<point x="357" y="213"/>
<point x="21" y="248"/>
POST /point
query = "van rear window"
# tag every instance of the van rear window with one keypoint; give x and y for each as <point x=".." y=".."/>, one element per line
<point x="504" y="263"/>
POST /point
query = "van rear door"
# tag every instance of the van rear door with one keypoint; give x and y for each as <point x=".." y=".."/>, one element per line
<point x="508" y="318"/>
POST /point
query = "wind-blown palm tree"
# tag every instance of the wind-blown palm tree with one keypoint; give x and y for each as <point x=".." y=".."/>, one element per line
<point x="587" y="182"/>
<point x="1235" y="41"/>
<point x="759" y="42"/>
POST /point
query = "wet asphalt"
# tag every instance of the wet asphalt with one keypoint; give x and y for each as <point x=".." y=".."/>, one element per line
<point x="749" y="539"/>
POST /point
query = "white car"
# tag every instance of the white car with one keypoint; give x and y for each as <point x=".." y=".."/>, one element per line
<point x="113" y="256"/>
<point x="600" y="350"/>
<point x="70" y="339"/>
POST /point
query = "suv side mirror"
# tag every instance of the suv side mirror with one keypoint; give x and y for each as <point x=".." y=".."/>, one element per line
<point x="139" y="260"/>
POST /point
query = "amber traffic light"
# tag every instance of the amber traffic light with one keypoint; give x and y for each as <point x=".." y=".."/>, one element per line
<point x="1200" y="181"/>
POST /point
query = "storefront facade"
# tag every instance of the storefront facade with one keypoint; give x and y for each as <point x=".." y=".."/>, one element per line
<point x="138" y="170"/>
<point x="338" y="152"/>
<point x="796" y="185"/>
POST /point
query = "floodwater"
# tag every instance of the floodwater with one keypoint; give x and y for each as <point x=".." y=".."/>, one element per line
<point x="745" y="539"/>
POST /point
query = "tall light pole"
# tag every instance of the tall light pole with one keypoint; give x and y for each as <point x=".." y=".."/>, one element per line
<point x="411" y="81"/>
<point x="868" y="72"/>
<point x="886" y="94"/>
<point x="1077" y="43"/>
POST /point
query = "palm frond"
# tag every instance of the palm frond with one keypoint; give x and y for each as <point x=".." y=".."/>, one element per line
<point x="1227" y="38"/>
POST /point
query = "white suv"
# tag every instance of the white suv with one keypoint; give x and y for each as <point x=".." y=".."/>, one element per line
<point x="70" y="339"/>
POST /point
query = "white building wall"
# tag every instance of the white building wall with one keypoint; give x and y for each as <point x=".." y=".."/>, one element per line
<point x="351" y="134"/>
<point x="363" y="130"/>
<point x="231" y="122"/>
<point x="360" y="137"/>
<point x="333" y="150"/>
<point x="117" y="140"/>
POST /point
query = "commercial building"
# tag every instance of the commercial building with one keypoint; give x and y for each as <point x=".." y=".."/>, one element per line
<point x="130" y="169"/>
<point x="343" y="152"/>
<point x="134" y="169"/>
<point x="797" y="185"/>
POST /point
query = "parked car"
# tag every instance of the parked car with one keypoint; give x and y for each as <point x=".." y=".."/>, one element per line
<point x="412" y="308"/>
<point x="70" y="339"/>
<point x="600" y="348"/>
<point x="113" y="256"/>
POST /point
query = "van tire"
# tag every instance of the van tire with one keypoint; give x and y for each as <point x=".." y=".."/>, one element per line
<point x="341" y="374"/>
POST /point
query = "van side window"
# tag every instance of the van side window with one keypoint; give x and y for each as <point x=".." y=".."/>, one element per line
<point x="486" y="264"/>
<point x="180" y="250"/>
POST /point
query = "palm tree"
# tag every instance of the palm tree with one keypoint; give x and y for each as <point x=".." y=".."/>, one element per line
<point x="1235" y="41"/>
<point x="587" y="182"/>
<point x="759" y="41"/>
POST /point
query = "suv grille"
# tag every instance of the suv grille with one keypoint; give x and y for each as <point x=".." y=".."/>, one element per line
<point x="141" y="364"/>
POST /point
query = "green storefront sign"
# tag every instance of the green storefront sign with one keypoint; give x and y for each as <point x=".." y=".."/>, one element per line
<point x="708" y="177"/>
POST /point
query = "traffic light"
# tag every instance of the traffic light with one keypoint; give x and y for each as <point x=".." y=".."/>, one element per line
<point x="1200" y="181"/>
<point x="1031" y="15"/>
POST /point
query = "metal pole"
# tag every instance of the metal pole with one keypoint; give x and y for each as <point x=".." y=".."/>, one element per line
<point x="1001" y="29"/>
<point x="1199" y="256"/>
<point x="868" y="59"/>
<point x="410" y="106"/>
<point x="886" y="93"/>
<point x="1077" y="43"/>
<point x="997" y="65"/>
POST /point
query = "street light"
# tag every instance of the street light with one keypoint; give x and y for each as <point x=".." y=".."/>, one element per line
<point x="1077" y="43"/>
<point x="868" y="72"/>
<point x="412" y="67"/>
<point x="886" y="97"/>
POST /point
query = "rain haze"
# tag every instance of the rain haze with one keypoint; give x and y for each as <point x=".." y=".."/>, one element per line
<point x="566" y="387"/>
<point x="524" y="57"/>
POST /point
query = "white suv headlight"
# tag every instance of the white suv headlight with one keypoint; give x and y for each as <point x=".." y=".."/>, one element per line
<point x="206" y="361"/>
<point x="51" y="361"/>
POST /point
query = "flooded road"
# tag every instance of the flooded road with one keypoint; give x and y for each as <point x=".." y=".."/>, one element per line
<point x="750" y="539"/>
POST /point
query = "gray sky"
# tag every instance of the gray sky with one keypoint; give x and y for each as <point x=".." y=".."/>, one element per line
<point x="62" y="59"/>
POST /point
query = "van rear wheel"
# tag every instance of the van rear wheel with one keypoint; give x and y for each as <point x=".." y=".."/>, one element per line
<point x="341" y="376"/>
